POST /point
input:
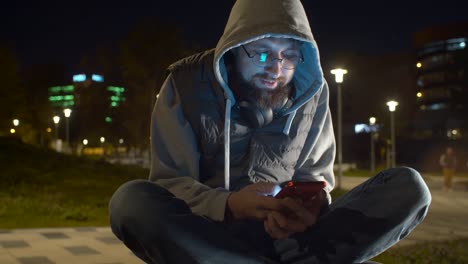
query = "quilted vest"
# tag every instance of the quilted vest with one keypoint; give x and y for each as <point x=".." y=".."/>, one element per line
<point x="264" y="154"/>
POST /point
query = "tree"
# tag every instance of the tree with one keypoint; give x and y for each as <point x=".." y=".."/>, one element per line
<point x="37" y="79"/>
<point x="12" y="94"/>
<point x="145" y="54"/>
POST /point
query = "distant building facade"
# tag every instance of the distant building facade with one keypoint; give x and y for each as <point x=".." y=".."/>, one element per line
<point x="442" y="83"/>
<point x="94" y="105"/>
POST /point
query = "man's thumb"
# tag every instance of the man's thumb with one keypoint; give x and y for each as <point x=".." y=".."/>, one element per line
<point x="266" y="188"/>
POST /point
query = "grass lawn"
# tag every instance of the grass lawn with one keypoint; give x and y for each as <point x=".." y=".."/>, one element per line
<point x="42" y="188"/>
<point x="367" y="173"/>
<point x="444" y="252"/>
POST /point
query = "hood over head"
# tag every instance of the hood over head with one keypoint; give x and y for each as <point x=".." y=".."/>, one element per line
<point x="251" y="20"/>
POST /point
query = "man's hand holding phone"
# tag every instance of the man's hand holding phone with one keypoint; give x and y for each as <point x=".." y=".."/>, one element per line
<point x="302" y="201"/>
<point x="282" y="215"/>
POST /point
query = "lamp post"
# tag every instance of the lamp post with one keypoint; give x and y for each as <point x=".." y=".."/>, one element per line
<point x="67" y="113"/>
<point x="56" y="122"/>
<point x="15" y="124"/>
<point x="102" y="140"/>
<point x="339" y="73"/>
<point x="392" y="107"/>
<point x="372" y="121"/>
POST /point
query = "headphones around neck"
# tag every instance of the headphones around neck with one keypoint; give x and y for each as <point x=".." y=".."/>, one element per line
<point x="258" y="117"/>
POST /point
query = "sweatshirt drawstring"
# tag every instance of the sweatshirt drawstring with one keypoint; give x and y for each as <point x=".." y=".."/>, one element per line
<point x="287" y="127"/>
<point x="227" y="128"/>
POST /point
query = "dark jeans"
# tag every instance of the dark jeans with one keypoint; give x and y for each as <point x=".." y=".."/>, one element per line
<point x="159" y="228"/>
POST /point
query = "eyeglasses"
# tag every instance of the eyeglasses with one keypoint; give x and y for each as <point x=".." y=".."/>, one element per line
<point x="262" y="59"/>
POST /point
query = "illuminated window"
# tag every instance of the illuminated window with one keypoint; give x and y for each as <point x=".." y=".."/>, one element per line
<point x="115" y="89"/>
<point x="437" y="106"/>
<point x="79" y="77"/>
<point x="68" y="88"/>
<point x="61" y="89"/>
<point x="116" y="96"/>
<point x="55" y="89"/>
<point x="456" y="44"/>
<point x="97" y="78"/>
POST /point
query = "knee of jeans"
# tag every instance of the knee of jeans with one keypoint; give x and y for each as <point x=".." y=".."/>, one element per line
<point x="124" y="197"/>
<point x="142" y="199"/>
<point x="131" y="198"/>
<point x="411" y="186"/>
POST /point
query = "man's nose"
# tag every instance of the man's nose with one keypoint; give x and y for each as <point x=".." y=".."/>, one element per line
<point x="274" y="68"/>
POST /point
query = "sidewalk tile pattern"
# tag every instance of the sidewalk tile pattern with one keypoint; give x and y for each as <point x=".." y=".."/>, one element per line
<point x="84" y="245"/>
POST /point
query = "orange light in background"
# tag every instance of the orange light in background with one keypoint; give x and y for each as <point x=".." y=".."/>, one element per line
<point x="49" y="130"/>
<point x="419" y="94"/>
<point x="12" y="131"/>
<point x="419" y="65"/>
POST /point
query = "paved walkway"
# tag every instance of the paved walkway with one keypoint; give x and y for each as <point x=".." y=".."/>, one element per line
<point x="63" y="245"/>
<point x="448" y="214"/>
<point x="447" y="219"/>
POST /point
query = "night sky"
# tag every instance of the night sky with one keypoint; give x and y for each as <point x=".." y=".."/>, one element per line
<point x="41" y="32"/>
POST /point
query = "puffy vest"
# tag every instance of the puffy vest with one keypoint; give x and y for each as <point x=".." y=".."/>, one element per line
<point x="264" y="154"/>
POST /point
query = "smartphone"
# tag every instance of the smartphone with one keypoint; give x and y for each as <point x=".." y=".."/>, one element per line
<point x="302" y="190"/>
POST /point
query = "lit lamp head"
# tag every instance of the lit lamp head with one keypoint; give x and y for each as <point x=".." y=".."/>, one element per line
<point x="56" y="119"/>
<point x="102" y="139"/>
<point x="67" y="112"/>
<point x="392" y="105"/>
<point x="15" y="122"/>
<point x="85" y="142"/>
<point x="372" y="120"/>
<point x="339" y="73"/>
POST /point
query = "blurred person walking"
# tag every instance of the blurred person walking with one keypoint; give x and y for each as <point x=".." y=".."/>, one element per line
<point x="448" y="162"/>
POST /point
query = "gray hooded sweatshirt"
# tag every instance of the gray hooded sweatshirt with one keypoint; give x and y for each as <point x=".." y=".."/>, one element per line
<point x="201" y="149"/>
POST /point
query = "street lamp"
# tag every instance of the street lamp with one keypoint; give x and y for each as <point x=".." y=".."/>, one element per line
<point x="102" y="139"/>
<point x="372" y="121"/>
<point x="15" y="123"/>
<point x="339" y="73"/>
<point x="56" y="122"/>
<point x="67" y="113"/>
<point x="392" y="107"/>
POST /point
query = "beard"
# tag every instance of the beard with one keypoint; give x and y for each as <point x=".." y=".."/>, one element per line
<point x="264" y="98"/>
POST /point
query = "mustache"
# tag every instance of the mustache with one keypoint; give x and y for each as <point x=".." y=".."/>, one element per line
<point x="266" y="76"/>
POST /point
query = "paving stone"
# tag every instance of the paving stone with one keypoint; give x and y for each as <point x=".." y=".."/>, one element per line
<point x="81" y="250"/>
<point x="14" y="243"/>
<point x="5" y="231"/>
<point x="7" y="259"/>
<point x="55" y="235"/>
<point x="35" y="260"/>
<point x="85" y="229"/>
<point x="109" y="240"/>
